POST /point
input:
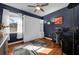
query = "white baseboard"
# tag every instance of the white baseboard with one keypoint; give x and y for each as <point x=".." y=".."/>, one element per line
<point x="48" y="38"/>
<point x="15" y="42"/>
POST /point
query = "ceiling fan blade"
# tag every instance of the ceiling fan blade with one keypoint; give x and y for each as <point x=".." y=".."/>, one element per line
<point x="45" y="4"/>
<point x="41" y="9"/>
<point x="31" y="6"/>
<point x="35" y="10"/>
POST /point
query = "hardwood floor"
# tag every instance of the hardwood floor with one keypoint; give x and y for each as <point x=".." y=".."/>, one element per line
<point x="51" y="49"/>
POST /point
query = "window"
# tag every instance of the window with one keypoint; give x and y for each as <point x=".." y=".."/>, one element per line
<point x="15" y="24"/>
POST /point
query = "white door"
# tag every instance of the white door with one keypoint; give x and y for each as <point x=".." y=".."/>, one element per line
<point x="32" y="28"/>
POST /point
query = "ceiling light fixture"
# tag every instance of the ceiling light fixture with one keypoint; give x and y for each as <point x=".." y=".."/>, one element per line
<point x="38" y="8"/>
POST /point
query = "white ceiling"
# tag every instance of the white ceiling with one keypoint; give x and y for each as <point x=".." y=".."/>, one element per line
<point x="52" y="7"/>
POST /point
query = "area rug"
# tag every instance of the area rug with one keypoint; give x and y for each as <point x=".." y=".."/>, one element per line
<point x="31" y="48"/>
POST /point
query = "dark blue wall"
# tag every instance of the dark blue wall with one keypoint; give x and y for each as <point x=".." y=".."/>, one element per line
<point x="76" y="16"/>
<point x="1" y="11"/>
<point x="71" y="16"/>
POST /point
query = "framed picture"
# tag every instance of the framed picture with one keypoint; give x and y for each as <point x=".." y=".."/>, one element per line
<point x="58" y="20"/>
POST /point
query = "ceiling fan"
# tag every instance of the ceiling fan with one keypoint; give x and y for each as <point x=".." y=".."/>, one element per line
<point x="38" y="6"/>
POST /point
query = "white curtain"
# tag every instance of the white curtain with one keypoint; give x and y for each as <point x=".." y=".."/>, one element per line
<point x="32" y="28"/>
<point x="19" y="26"/>
<point x="5" y="21"/>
